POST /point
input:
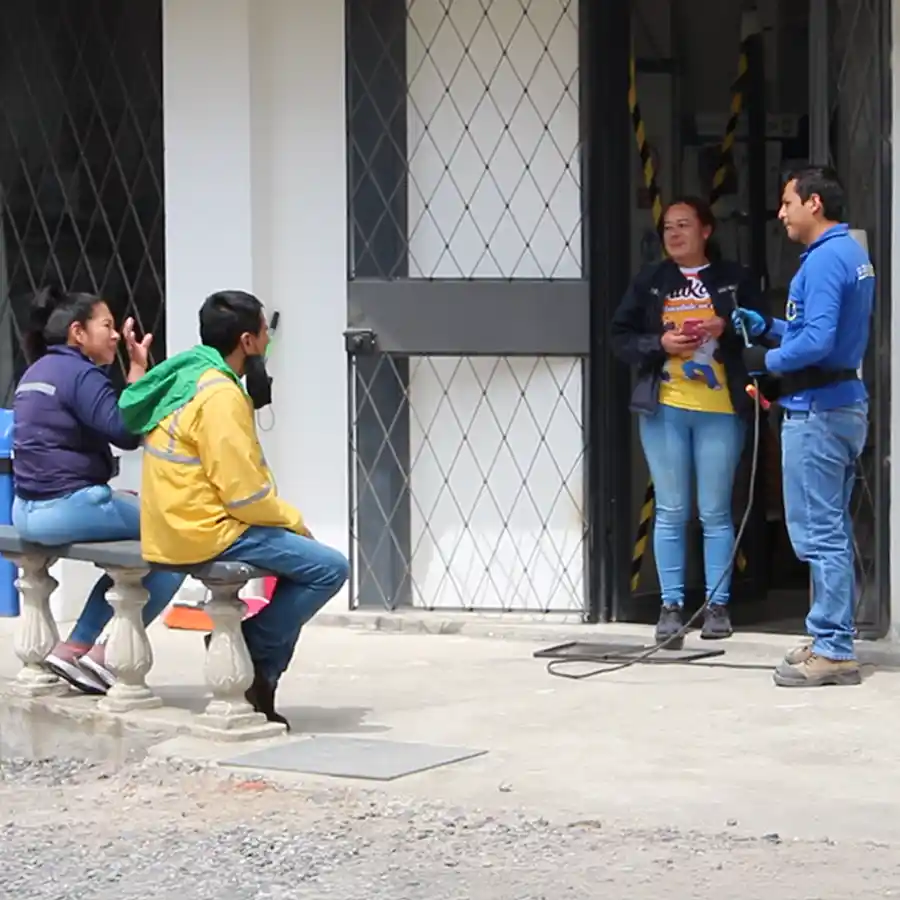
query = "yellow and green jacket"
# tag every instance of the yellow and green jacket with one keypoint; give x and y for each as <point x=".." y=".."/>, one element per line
<point x="205" y="480"/>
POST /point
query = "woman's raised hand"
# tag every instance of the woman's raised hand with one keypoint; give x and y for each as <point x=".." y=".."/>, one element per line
<point x="138" y="351"/>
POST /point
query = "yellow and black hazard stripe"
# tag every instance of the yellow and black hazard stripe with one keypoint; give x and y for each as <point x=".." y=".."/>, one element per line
<point x="648" y="169"/>
<point x="648" y="166"/>
<point x="749" y="30"/>
<point x="642" y="538"/>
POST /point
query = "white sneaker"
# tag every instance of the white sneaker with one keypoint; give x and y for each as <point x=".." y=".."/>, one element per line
<point x="75" y="674"/>
<point x="98" y="671"/>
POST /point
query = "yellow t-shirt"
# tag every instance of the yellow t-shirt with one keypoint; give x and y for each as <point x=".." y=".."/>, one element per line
<point x="696" y="382"/>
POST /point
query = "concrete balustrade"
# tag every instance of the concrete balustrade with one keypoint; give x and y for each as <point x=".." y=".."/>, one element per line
<point x="129" y="654"/>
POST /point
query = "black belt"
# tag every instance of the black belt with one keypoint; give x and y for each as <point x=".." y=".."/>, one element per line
<point x="813" y="377"/>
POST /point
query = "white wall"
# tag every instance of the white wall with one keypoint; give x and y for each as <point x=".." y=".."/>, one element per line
<point x="300" y="248"/>
<point x="207" y="157"/>
<point x="255" y="200"/>
<point x="493" y="137"/>
<point x="497" y="519"/>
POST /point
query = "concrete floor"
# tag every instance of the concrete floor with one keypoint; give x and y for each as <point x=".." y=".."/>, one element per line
<point x="704" y="748"/>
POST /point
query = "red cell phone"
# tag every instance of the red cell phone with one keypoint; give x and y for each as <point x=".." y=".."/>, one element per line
<point x="692" y="328"/>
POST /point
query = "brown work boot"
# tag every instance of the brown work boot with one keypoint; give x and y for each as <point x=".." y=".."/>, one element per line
<point x="798" y="654"/>
<point x="817" y="671"/>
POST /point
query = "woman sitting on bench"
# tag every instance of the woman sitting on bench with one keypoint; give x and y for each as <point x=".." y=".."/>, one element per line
<point x="66" y="415"/>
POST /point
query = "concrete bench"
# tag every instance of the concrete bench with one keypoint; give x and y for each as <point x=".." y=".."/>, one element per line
<point x="129" y="656"/>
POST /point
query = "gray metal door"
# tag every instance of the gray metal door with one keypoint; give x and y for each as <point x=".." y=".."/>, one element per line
<point x="468" y="307"/>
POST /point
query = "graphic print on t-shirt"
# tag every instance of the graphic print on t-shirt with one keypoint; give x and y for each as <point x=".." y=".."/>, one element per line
<point x="697" y="381"/>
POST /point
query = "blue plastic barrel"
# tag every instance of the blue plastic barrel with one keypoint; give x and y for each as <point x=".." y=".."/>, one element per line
<point x="9" y="596"/>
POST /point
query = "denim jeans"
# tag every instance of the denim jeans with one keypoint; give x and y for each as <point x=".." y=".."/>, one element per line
<point x="309" y="575"/>
<point x="93" y="514"/>
<point x="683" y="446"/>
<point x="819" y="452"/>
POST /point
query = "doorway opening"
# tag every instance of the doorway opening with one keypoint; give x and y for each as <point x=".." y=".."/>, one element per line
<point x="776" y="84"/>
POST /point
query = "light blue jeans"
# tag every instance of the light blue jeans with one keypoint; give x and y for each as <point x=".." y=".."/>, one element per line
<point x="93" y="514"/>
<point x="309" y="575"/>
<point x="819" y="452"/>
<point x="683" y="446"/>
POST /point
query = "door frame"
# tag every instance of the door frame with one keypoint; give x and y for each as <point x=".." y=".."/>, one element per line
<point x="611" y="145"/>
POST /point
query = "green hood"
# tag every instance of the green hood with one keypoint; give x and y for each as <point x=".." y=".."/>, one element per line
<point x="169" y="386"/>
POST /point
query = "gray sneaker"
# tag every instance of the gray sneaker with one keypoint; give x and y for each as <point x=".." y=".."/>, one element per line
<point x="716" y="623"/>
<point x="669" y="625"/>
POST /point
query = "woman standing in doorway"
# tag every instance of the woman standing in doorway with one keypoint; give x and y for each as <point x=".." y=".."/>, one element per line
<point x="674" y="326"/>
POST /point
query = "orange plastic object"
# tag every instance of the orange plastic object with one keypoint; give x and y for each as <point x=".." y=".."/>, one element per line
<point x="756" y="395"/>
<point x="193" y="618"/>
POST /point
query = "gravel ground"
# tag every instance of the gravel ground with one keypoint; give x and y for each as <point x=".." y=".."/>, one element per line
<point x="70" y="829"/>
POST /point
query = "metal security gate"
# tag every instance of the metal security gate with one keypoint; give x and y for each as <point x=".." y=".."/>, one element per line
<point x="468" y="305"/>
<point x="81" y="161"/>
<point x="855" y="73"/>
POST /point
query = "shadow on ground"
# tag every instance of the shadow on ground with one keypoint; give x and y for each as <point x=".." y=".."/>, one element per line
<point x="318" y="719"/>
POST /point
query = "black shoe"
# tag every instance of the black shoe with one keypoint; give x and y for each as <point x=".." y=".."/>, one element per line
<point x="668" y="626"/>
<point x="716" y="623"/>
<point x="260" y="695"/>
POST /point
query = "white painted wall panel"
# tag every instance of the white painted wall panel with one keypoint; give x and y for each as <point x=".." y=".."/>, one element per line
<point x="493" y="138"/>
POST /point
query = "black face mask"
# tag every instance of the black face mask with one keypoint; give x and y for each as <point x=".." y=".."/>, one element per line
<point x="259" y="384"/>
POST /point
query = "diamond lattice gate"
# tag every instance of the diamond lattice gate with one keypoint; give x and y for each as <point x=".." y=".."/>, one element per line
<point x="81" y="189"/>
<point x="484" y="510"/>
<point x="468" y="305"/>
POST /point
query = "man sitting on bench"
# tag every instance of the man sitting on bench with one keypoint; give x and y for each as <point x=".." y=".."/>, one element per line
<point x="209" y="494"/>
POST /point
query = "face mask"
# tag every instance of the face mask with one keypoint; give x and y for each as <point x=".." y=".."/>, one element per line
<point x="259" y="384"/>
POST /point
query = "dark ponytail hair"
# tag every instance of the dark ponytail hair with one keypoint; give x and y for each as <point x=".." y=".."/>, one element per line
<point x="707" y="219"/>
<point x="52" y="314"/>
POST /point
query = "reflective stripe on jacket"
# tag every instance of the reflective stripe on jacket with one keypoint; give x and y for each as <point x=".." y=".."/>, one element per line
<point x="205" y="479"/>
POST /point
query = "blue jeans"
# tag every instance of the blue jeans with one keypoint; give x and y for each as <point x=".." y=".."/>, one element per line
<point x="819" y="452"/>
<point x="309" y="575"/>
<point x="93" y="514"/>
<point x="682" y="446"/>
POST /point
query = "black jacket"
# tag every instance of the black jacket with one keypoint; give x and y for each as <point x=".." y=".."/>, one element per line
<point x="637" y="327"/>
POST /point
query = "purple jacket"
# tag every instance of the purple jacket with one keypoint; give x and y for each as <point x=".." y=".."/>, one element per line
<point x="65" y="416"/>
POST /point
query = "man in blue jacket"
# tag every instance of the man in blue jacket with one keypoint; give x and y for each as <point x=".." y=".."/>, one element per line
<point x="812" y="358"/>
